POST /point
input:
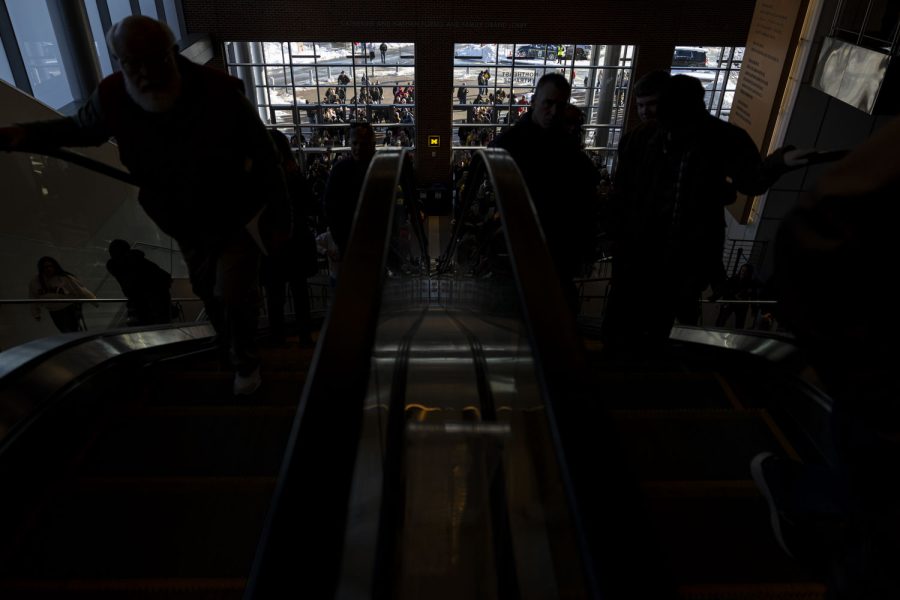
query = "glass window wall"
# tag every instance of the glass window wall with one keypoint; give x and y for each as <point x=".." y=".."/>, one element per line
<point x="148" y="8"/>
<point x="717" y="67"/>
<point x="99" y="38"/>
<point x="873" y="24"/>
<point x="172" y="17"/>
<point x="5" y="71"/>
<point x="40" y="51"/>
<point x="311" y="91"/>
<point x="119" y="9"/>
<point x="493" y="85"/>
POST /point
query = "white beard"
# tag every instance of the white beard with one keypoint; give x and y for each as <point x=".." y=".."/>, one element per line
<point x="156" y="101"/>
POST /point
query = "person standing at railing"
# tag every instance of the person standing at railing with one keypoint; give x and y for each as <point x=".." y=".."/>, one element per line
<point x="206" y="167"/>
<point x="52" y="282"/>
<point x="743" y="285"/>
<point x="676" y="174"/>
<point x="146" y="285"/>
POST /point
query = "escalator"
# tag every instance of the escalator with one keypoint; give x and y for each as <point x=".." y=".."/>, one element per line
<point x="689" y="427"/>
<point x="453" y="439"/>
<point x="439" y="468"/>
<point x="143" y="477"/>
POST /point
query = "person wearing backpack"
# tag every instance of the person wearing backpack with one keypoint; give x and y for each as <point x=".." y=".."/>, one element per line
<point x="146" y="285"/>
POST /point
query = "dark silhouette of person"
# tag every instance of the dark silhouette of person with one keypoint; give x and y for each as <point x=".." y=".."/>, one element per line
<point x="52" y="282"/>
<point x="343" y="80"/>
<point x="833" y="257"/>
<point x="573" y="122"/>
<point x="559" y="175"/>
<point x="462" y="94"/>
<point x="345" y="184"/>
<point x="743" y="285"/>
<point x="646" y="93"/>
<point x="202" y="182"/>
<point x="146" y="285"/>
<point x="674" y="177"/>
<point x="383" y="47"/>
<point x="298" y="260"/>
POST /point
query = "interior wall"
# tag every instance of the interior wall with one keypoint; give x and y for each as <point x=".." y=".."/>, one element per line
<point x="823" y="123"/>
<point x="819" y="122"/>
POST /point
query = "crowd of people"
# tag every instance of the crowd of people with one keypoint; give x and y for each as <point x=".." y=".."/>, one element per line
<point x="393" y="107"/>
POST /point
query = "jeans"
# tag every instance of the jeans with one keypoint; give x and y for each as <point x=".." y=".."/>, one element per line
<point x="225" y="276"/>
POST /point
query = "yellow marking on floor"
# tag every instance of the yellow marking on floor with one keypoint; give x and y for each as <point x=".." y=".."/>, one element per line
<point x="779" y="435"/>
<point x="729" y="392"/>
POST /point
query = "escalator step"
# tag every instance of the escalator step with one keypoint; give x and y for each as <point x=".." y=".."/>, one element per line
<point x="125" y="589"/>
<point x="684" y="445"/>
<point x="721" y="540"/>
<point x="139" y="528"/>
<point x="657" y="391"/>
<point x="215" y="388"/>
<point x="765" y="591"/>
<point x="229" y="441"/>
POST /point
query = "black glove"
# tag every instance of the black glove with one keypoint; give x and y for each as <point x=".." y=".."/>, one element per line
<point x="788" y="158"/>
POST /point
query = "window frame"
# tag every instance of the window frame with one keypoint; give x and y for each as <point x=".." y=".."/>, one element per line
<point x="516" y="76"/>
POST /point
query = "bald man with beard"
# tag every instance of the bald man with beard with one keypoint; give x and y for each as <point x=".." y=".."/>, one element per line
<point x="204" y="163"/>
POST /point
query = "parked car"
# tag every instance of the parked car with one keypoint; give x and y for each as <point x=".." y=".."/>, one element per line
<point x="687" y="56"/>
<point x="538" y="51"/>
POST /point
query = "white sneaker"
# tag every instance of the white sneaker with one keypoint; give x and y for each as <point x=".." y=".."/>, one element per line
<point x="244" y="385"/>
<point x="770" y="476"/>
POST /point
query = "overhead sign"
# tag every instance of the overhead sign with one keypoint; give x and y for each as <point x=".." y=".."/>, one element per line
<point x="434" y="141"/>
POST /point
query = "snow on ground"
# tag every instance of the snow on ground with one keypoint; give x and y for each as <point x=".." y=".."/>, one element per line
<point x="484" y="53"/>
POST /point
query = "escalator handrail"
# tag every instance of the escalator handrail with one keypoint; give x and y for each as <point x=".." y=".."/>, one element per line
<point x="558" y="355"/>
<point x="619" y="553"/>
<point x="34" y="374"/>
<point x="80" y="160"/>
<point x="474" y="174"/>
<point x="301" y="547"/>
<point x="547" y="314"/>
<point x="413" y="209"/>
